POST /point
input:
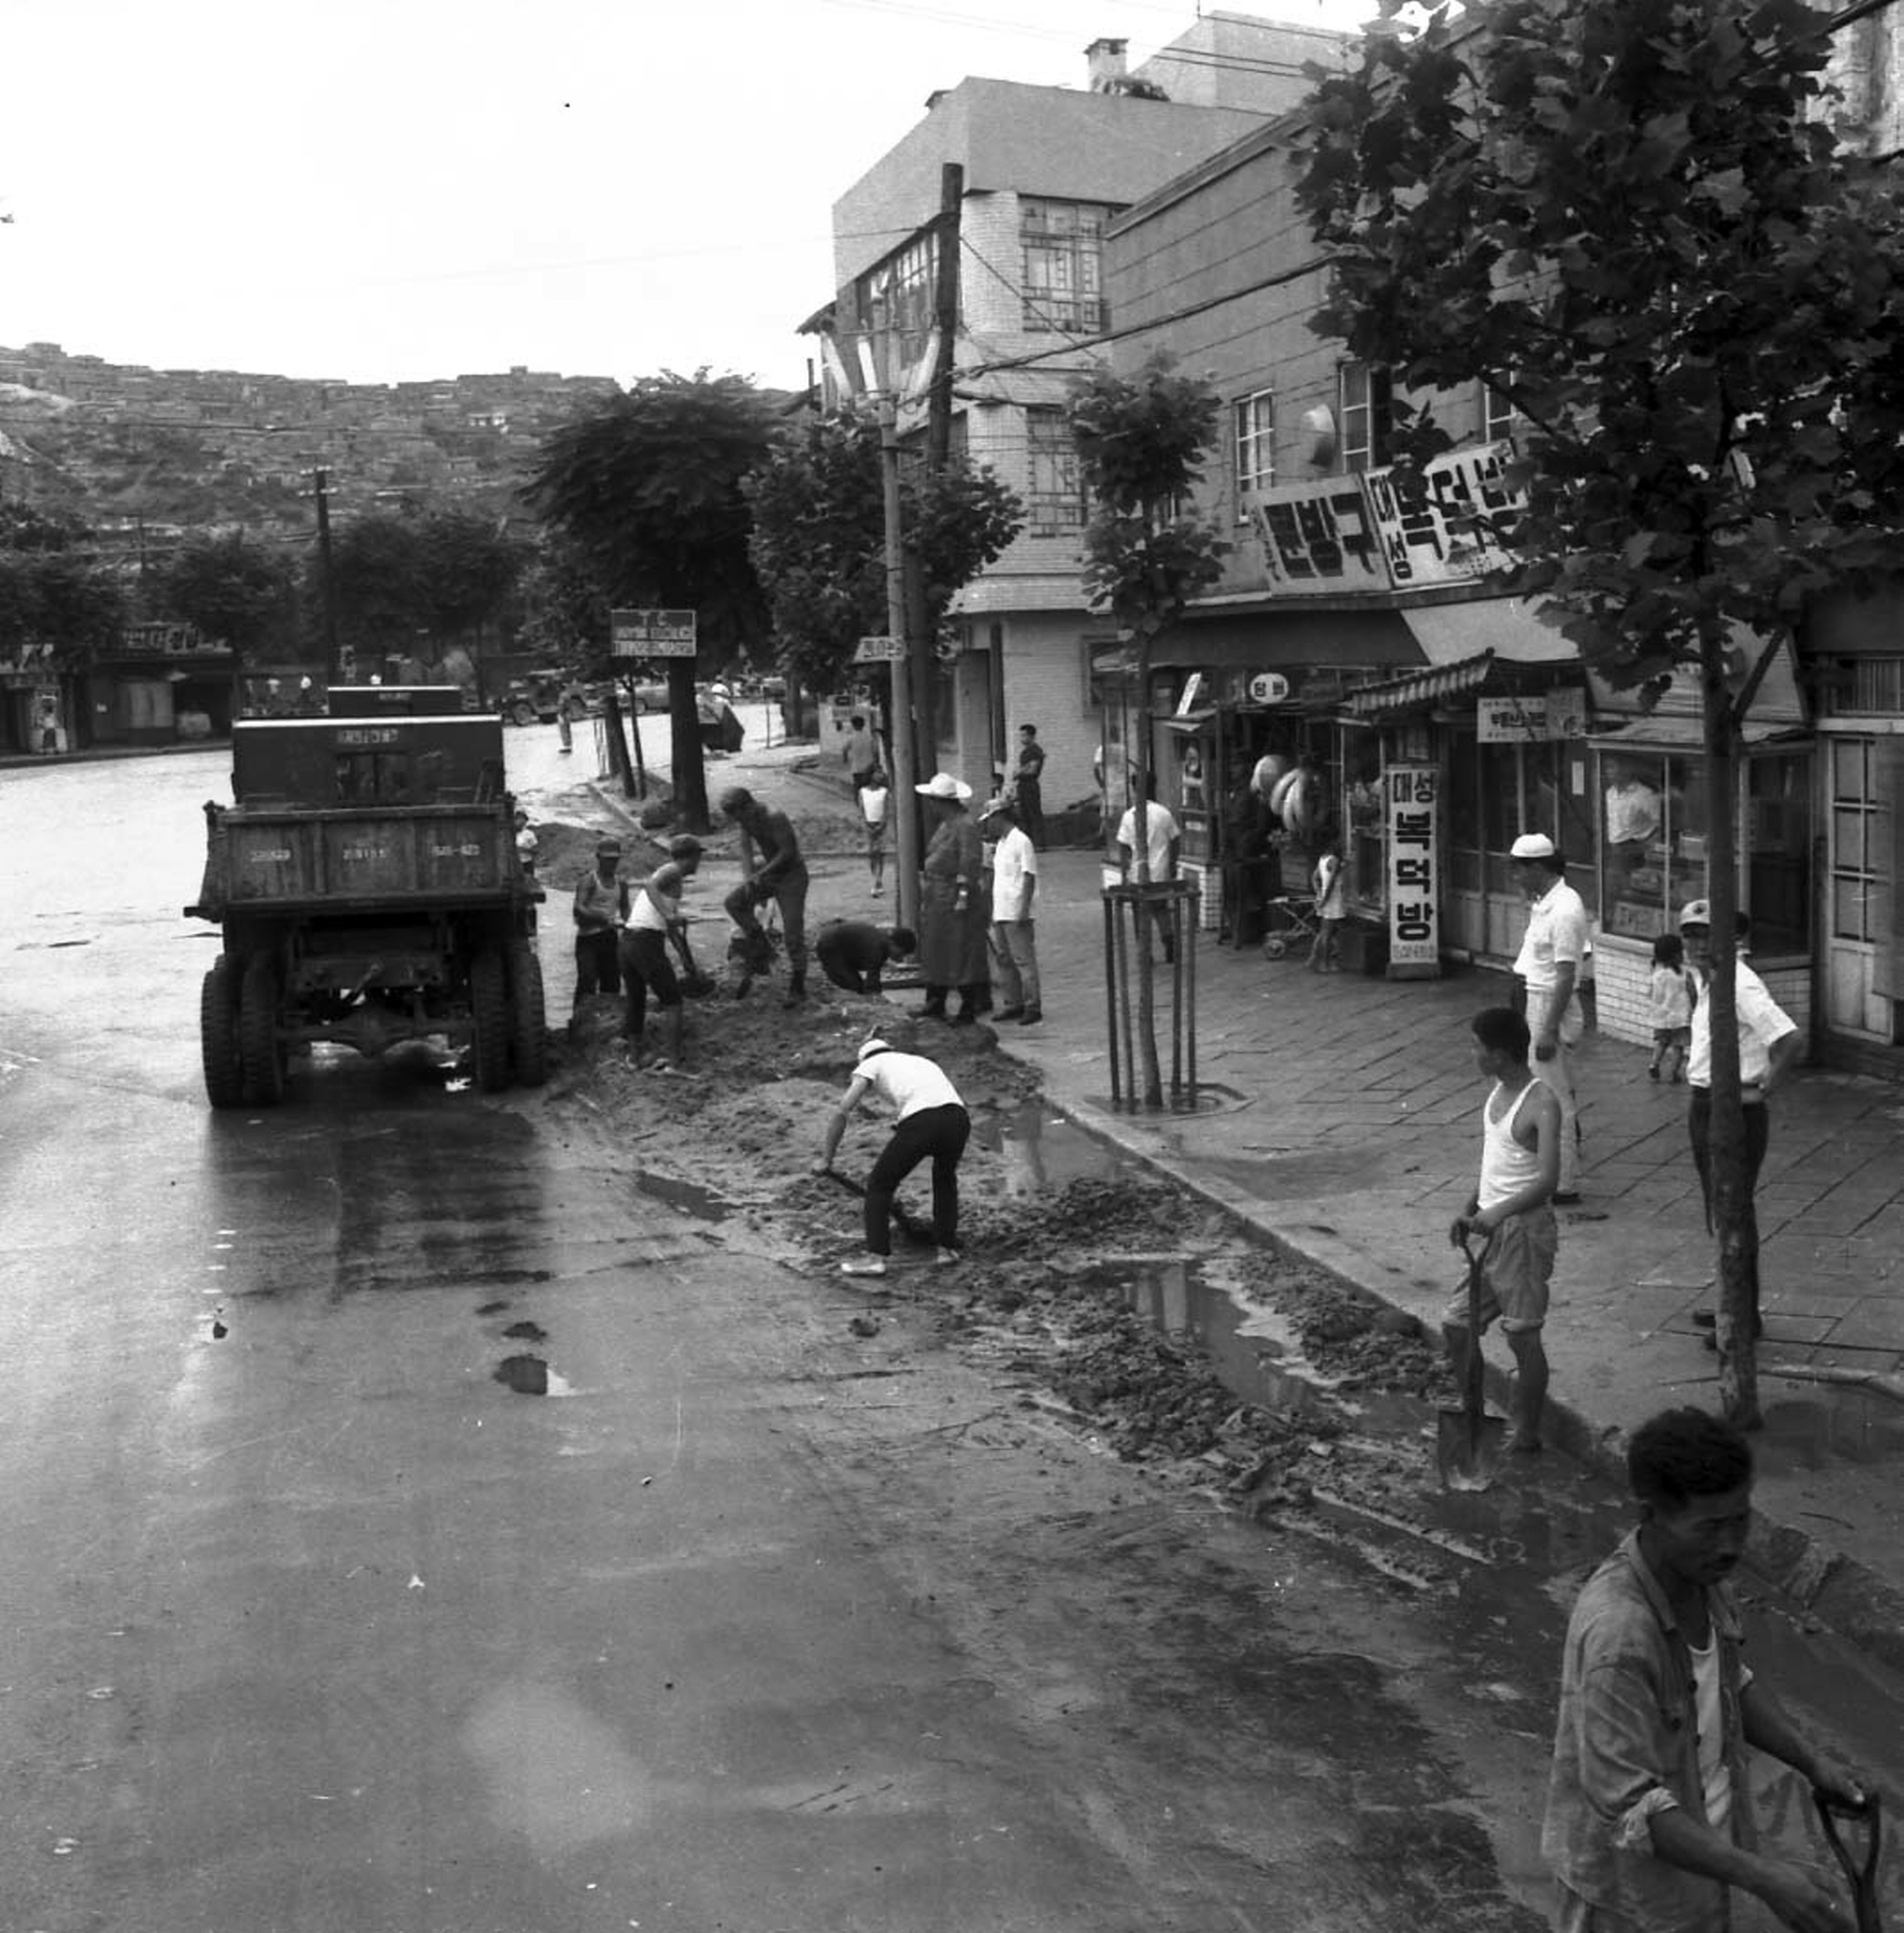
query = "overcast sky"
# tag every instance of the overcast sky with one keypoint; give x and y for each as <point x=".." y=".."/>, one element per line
<point x="387" y="190"/>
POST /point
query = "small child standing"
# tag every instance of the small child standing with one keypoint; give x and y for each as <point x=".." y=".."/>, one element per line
<point x="1510" y="1210"/>
<point x="1331" y="892"/>
<point x="875" y="790"/>
<point x="1672" y="994"/>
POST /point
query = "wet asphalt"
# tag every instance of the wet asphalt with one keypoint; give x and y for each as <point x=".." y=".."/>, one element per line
<point x="330" y="1612"/>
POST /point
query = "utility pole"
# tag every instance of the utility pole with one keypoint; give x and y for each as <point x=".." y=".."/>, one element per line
<point x="320" y="488"/>
<point x="905" y="755"/>
<point x="920" y="644"/>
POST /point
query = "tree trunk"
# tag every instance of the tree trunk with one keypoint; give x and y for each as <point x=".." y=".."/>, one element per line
<point x="1734" y="1221"/>
<point x="1147" y="978"/>
<point x="690" y="775"/>
<point x="618" y="743"/>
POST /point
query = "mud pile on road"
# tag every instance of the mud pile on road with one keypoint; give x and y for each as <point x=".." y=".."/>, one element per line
<point x="1042" y="1292"/>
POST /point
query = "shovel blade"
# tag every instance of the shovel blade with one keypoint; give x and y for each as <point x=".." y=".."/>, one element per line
<point x="1468" y="1448"/>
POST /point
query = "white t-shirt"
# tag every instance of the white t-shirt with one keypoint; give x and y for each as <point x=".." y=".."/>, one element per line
<point x="1557" y="932"/>
<point x="1159" y="831"/>
<point x="873" y="803"/>
<point x="1761" y="1020"/>
<point x="1013" y="864"/>
<point x="1715" y="1774"/>
<point x="644" y="915"/>
<point x="908" y="1083"/>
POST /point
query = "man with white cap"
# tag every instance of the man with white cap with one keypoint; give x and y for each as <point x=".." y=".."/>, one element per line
<point x="1549" y="964"/>
<point x="1769" y="1044"/>
<point x="932" y="1122"/>
<point x="1014" y="887"/>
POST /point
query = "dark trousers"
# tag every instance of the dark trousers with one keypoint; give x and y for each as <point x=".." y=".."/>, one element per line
<point x="595" y="967"/>
<point x="647" y="968"/>
<point x="1757" y="1139"/>
<point x="1031" y="810"/>
<point x="939" y="1132"/>
<point x="790" y="894"/>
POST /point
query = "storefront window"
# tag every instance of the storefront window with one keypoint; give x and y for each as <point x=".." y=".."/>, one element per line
<point x="1653" y="845"/>
<point x="1363" y="804"/>
<point x="1779" y="859"/>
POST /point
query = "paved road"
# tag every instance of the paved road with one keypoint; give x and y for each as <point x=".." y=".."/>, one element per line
<point x="314" y="1624"/>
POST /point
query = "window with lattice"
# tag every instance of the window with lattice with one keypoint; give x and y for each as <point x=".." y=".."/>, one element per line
<point x="1064" y="244"/>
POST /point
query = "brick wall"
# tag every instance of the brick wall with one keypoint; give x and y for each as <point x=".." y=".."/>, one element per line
<point x="1622" y="970"/>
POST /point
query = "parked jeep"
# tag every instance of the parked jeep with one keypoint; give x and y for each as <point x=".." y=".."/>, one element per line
<point x="367" y="883"/>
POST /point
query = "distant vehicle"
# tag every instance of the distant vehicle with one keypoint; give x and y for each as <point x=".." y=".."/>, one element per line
<point x="542" y="698"/>
<point x="646" y="696"/>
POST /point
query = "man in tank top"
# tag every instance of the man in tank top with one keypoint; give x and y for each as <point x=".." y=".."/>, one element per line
<point x="1510" y="1214"/>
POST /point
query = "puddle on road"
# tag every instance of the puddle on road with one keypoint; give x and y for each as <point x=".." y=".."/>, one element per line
<point x="688" y="1198"/>
<point x="1252" y="1348"/>
<point x="531" y="1376"/>
<point x="1043" y="1150"/>
<point x="1829" y="1421"/>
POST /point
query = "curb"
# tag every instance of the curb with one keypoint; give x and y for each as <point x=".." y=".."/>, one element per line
<point x="1859" y="1605"/>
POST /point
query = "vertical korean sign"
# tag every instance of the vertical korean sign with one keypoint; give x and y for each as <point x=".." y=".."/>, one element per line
<point x="1414" y="893"/>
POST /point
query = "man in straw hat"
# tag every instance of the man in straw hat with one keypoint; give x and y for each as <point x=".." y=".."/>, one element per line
<point x="953" y="909"/>
<point x="932" y="1123"/>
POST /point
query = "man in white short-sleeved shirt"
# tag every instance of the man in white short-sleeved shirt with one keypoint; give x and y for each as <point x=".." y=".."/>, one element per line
<point x="1014" y="949"/>
<point x="1552" y="951"/>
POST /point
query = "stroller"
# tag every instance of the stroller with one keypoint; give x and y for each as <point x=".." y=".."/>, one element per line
<point x="1295" y="913"/>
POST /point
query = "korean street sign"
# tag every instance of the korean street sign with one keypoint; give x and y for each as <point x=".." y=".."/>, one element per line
<point x="1412" y="794"/>
<point x="879" y="651"/>
<point x="652" y="635"/>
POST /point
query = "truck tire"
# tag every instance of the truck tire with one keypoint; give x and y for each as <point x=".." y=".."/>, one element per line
<point x="218" y="1034"/>
<point x="529" y="1023"/>
<point x="489" y="1010"/>
<point x="260" y="1058"/>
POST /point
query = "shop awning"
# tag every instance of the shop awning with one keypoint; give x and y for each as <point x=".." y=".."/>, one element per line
<point x="1678" y="732"/>
<point x="1420" y="688"/>
<point x="1275" y="640"/>
<point x="1504" y="627"/>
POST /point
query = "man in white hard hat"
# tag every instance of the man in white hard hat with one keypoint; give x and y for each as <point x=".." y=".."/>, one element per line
<point x="1549" y="964"/>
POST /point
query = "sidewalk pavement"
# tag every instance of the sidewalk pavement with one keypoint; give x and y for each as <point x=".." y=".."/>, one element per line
<point x="1340" y="1118"/>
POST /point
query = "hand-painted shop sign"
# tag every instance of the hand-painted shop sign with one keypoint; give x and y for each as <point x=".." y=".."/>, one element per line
<point x="1390" y="529"/>
<point x="1532" y="718"/>
<point x="169" y="640"/>
<point x="1268" y="688"/>
<point x="1412" y="794"/>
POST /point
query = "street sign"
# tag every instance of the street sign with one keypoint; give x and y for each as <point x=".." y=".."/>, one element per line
<point x="880" y="651"/>
<point x="1268" y="688"/>
<point x="652" y="635"/>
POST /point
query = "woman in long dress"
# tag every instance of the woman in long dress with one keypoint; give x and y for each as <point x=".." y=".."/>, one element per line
<point x="953" y="913"/>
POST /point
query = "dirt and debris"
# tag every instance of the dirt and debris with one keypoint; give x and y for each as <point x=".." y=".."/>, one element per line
<point x="741" y="1108"/>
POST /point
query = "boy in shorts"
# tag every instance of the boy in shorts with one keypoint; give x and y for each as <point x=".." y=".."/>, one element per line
<point x="1511" y="1212"/>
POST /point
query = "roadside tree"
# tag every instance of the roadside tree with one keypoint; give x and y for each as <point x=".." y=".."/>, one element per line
<point x="645" y="488"/>
<point x="237" y="593"/>
<point x="1628" y="219"/>
<point x="1141" y="443"/>
<point x="819" y="539"/>
<point x="53" y="589"/>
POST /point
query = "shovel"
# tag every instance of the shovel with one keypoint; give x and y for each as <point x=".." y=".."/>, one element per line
<point x="694" y="982"/>
<point x="909" y="1225"/>
<point x="1862" y="1874"/>
<point x="1468" y="1441"/>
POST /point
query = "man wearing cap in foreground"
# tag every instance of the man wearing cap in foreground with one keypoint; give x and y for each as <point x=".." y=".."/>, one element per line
<point x="601" y="905"/>
<point x="1549" y="962"/>
<point x="1769" y="1044"/>
<point x="932" y="1122"/>
<point x="1014" y="887"/>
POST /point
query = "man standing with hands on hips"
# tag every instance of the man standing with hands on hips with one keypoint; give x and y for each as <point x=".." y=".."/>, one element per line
<point x="1549" y="966"/>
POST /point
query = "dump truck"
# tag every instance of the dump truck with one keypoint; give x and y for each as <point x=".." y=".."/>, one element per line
<point x="366" y="884"/>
